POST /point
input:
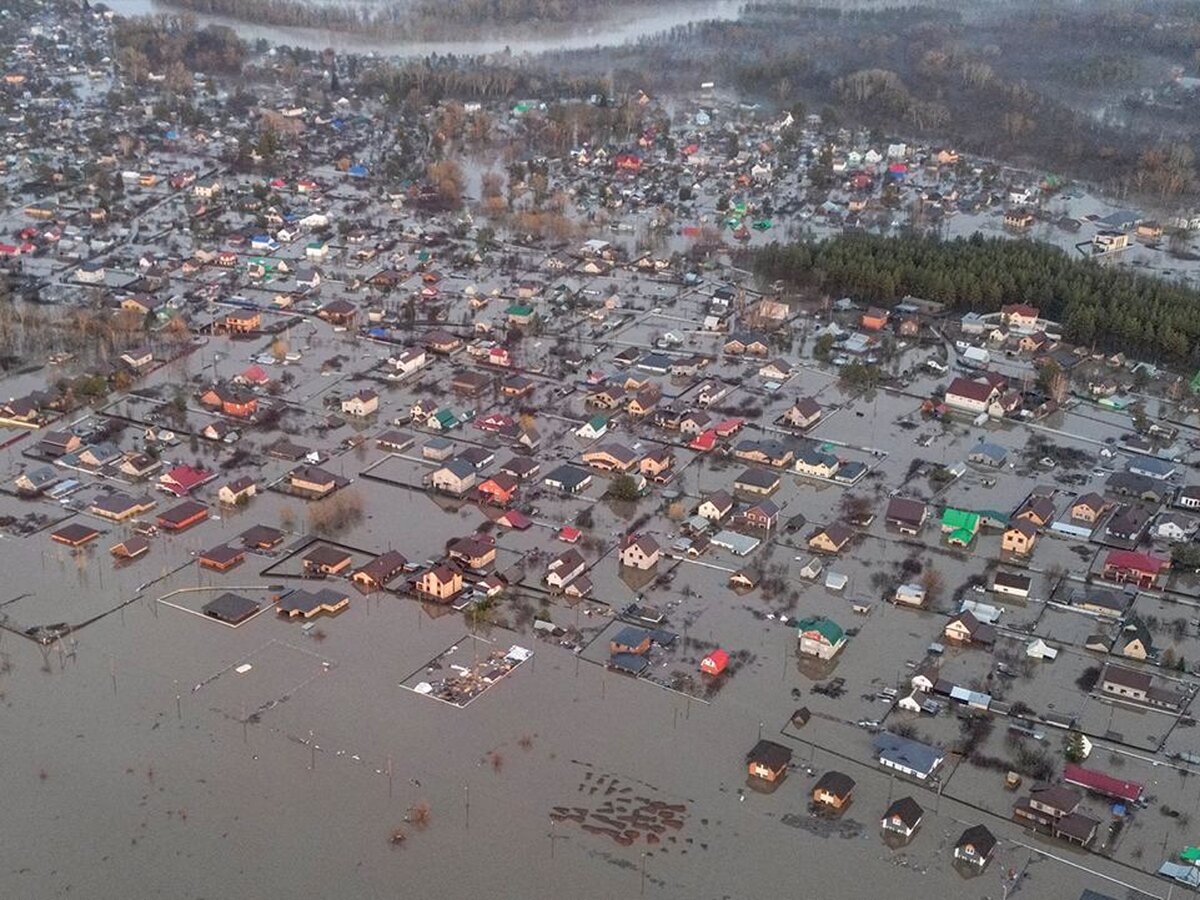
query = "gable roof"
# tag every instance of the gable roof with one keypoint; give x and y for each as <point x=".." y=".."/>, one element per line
<point x="903" y="509"/>
<point x="770" y="754"/>
<point x="978" y="837"/>
<point x="827" y="628"/>
<point x="1131" y="559"/>
<point x="956" y="519"/>
<point x="907" y="753"/>
<point x="907" y="810"/>
<point x="970" y="390"/>
<point x="839" y="784"/>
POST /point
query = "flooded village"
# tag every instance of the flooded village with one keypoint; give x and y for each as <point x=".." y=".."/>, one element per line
<point x="434" y="498"/>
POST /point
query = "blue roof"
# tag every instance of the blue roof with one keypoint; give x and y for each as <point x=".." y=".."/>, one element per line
<point x="1150" y="464"/>
<point x="630" y="636"/>
<point x="850" y="471"/>
<point x="908" y="753"/>
<point x="995" y="451"/>
<point x="460" y="467"/>
<point x="814" y="457"/>
<point x="629" y="662"/>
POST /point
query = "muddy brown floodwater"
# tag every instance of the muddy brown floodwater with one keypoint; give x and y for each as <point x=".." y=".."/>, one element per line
<point x="131" y="771"/>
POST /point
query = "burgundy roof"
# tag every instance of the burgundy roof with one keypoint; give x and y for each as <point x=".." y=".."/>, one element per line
<point x="1131" y="559"/>
<point x="972" y="390"/>
<point x="1128" y="791"/>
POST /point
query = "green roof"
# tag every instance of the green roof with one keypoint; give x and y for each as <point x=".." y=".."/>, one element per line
<point x="520" y="310"/>
<point x="446" y="418"/>
<point x="829" y="630"/>
<point x="960" y="536"/>
<point x="598" y="422"/>
<point x="1191" y="854"/>
<point x="955" y="519"/>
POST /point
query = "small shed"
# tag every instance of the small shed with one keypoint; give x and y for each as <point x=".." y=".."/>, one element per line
<point x="714" y="663"/>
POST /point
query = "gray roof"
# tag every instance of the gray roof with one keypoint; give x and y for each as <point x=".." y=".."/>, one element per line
<point x="570" y="477"/>
<point x="992" y="451"/>
<point x="232" y="608"/>
<point x="756" y="477"/>
<point x="460" y="468"/>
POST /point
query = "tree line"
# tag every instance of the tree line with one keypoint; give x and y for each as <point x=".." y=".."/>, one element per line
<point x="421" y="19"/>
<point x="1111" y="308"/>
<point x="160" y="44"/>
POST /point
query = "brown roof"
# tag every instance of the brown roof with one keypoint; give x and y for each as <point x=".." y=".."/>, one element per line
<point x="1028" y="529"/>
<point x="185" y="511"/>
<point x="839" y="784"/>
<point x="645" y="543"/>
<point x="807" y="407"/>
<point x="444" y="574"/>
<point x="972" y="390"/>
<point x="222" y="555"/>
<point x="902" y="509"/>
<point x="1127" y="678"/>
<point x="383" y="567"/>
<point x="74" y="533"/>
<point x="1042" y="507"/>
<point x="837" y="533"/>
<point x="1056" y="796"/>
<point x="325" y="555"/>
<point x="261" y="536"/>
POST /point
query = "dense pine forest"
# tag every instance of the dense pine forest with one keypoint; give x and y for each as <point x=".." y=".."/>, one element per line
<point x="1112" y="308"/>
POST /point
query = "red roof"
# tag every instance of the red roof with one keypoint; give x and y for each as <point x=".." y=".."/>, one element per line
<point x="514" y="518"/>
<point x="1138" y="562"/>
<point x="705" y="440"/>
<point x="493" y="422"/>
<point x="182" y="479"/>
<point x="729" y="426"/>
<point x="1128" y="791"/>
<point x="1019" y="309"/>
<point x="256" y="375"/>
<point x="715" y="662"/>
<point x="569" y="534"/>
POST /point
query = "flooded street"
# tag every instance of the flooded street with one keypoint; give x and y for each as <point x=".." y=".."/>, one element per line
<point x="156" y="803"/>
<point x="647" y="21"/>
